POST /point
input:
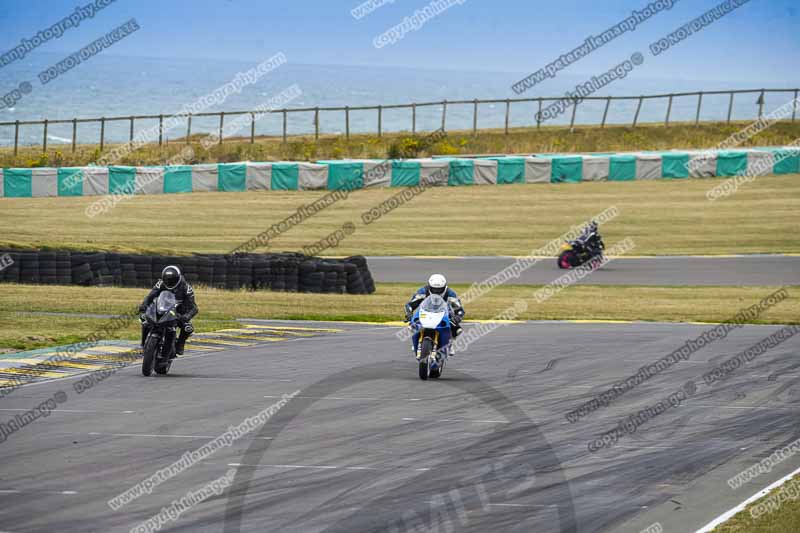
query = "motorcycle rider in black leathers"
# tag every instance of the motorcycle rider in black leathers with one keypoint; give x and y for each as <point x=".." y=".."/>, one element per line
<point x="591" y="239"/>
<point x="172" y="280"/>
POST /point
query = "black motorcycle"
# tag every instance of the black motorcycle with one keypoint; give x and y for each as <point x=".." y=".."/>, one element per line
<point x="588" y="248"/>
<point x="161" y="320"/>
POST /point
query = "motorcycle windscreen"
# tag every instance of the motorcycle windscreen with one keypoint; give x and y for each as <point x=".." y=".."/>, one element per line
<point x="433" y="304"/>
<point x="166" y="301"/>
<point x="432" y="311"/>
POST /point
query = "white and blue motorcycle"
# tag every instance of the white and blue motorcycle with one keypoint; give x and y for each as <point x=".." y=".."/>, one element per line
<point x="431" y="340"/>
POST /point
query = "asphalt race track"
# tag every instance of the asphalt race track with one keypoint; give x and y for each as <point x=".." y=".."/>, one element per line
<point x="662" y="270"/>
<point x="367" y="446"/>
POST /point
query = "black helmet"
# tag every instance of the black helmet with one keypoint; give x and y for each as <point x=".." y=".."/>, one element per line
<point x="171" y="276"/>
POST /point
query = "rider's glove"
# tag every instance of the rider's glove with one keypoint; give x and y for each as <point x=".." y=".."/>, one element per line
<point x="142" y="308"/>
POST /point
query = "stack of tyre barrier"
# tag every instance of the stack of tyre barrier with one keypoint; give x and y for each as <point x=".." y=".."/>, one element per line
<point x="290" y="272"/>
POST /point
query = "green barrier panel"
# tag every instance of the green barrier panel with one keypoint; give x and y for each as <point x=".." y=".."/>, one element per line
<point x="462" y="172"/>
<point x="405" y="173"/>
<point x="731" y="163"/>
<point x="510" y="170"/>
<point x="231" y="177"/>
<point x="121" y="180"/>
<point x="285" y="176"/>
<point x="178" y="178"/>
<point x="70" y="182"/>
<point x="622" y="168"/>
<point x="17" y="183"/>
<point x="786" y="161"/>
<point x="674" y="165"/>
<point x="345" y="175"/>
<point x="567" y="170"/>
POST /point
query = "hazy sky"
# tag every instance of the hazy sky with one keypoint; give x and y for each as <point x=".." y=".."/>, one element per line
<point x="758" y="42"/>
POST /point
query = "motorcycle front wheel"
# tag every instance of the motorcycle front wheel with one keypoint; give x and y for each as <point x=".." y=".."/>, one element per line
<point x="149" y="355"/>
<point x="425" y="354"/>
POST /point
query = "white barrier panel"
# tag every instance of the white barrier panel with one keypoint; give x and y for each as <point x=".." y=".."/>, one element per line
<point x="434" y="171"/>
<point x="205" y="178"/>
<point x="44" y="182"/>
<point x="596" y="168"/>
<point x="149" y="180"/>
<point x="484" y="172"/>
<point x="538" y="169"/>
<point x="95" y="181"/>
<point x="377" y="173"/>
<point x="258" y="176"/>
<point x="702" y="164"/>
<point x="760" y="163"/>
<point x="648" y="166"/>
<point x="311" y="176"/>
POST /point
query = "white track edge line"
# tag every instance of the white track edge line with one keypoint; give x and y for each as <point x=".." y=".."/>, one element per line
<point x="731" y="512"/>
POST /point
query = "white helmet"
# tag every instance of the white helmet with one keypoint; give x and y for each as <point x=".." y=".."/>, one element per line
<point x="437" y="284"/>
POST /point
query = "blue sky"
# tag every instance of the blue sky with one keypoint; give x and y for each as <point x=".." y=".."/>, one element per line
<point x="757" y="43"/>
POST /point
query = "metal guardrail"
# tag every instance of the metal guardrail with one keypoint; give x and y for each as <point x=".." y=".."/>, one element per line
<point x="412" y="106"/>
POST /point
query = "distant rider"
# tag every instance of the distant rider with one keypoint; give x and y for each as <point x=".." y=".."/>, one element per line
<point x="591" y="239"/>
<point x="172" y="280"/>
<point x="437" y="284"/>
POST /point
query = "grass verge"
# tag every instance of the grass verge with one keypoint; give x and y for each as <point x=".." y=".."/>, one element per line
<point x="786" y="519"/>
<point x="491" y="141"/>
<point x="218" y="307"/>
<point x="31" y="331"/>
<point x="661" y="216"/>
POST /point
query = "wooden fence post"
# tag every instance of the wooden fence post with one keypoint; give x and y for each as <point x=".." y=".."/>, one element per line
<point x="74" y="133"/>
<point x="605" y="112"/>
<point x="508" y="112"/>
<point x="44" y="138"/>
<point x="699" y="105"/>
<point x="130" y="137"/>
<point x="413" y="119"/>
<point x="730" y="107"/>
<point x="669" y="111"/>
<point x="103" y="133"/>
<point x="638" y="109"/>
<point x="284" y="126"/>
<point x="539" y="115"/>
<point x="316" y="123"/>
<point x="574" y="111"/>
<point x="380" y="121"/>
<point x="188" y="128"/>
<point x="444" y="115"/>
<point x="252" y="128"/>
<point x="347" y="121"/>
<point x="160" y="130"/>
<point x="16" y="137"/>
<point x="475" y="117"/>
<point x="221" y="123"/>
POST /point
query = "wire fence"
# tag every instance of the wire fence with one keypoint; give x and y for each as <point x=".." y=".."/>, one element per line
<point x="538" y="103"/>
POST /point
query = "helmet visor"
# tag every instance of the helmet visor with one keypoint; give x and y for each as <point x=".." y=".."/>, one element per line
<point x="171" y="279"/>
<point x="437" y="290"/>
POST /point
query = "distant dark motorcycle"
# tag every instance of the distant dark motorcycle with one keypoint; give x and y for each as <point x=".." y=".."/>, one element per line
<point x="161" y="320"/>
<point x="586" y="249"/>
